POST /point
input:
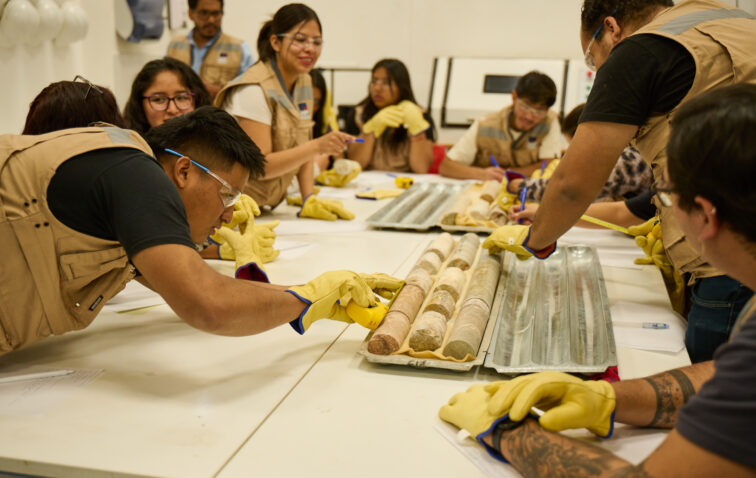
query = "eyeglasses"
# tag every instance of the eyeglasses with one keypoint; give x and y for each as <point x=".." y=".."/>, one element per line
<point x="160" y="102"/>
<point x="229" y="195"/>
<point x="663" y="191"/>
<point x="536" y="112"/>
<point x="206" y="14"/>
<point x="299" y="41"/>
<point x="81" y="79"/>
<point x="590" y="62"/>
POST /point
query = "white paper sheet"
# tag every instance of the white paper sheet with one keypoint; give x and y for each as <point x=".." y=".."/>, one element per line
<point x="133" y="296"/>
<point x="475" y="453"/>
<point x="292" y="249"/>
<point x="623" y="257"/>
<point x="35" y="397"/>
<point x="660" y="340"/>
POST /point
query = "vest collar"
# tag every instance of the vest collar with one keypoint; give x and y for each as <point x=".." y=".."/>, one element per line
<point x="211" y="42"/>
<point x="274" y="66"/>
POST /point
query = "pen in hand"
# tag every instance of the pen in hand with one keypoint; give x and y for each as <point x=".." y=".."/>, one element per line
<point x="523" y="195"/>
<point x="493" y="162"/>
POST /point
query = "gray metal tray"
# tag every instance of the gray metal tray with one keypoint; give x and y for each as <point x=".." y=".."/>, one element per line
<point x="418" y="208"/>
<point x="553" y="316"/>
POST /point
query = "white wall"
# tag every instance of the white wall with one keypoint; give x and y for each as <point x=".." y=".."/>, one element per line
<point x="357" y="33"/>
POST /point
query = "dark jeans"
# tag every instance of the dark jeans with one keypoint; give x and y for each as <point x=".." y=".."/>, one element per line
<point x="715" y="304"/>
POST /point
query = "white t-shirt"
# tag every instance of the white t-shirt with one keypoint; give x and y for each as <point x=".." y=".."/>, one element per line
<point x="466" y="148"/>
<point x="248" y="102"/>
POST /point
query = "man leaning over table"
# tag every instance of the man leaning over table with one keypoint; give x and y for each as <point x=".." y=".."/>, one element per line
<point x="518" y="137"/>
<point x="85" y="210"/>
<point x="710" y="406"/>
<point x="652" y="57"/>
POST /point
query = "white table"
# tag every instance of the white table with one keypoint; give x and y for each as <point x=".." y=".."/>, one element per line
<point x="173" y="401"/>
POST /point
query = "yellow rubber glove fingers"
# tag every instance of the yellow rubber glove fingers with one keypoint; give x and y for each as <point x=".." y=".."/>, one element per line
<point x="383" y="284"/>
<point x="245" y="210"/>
<point x="388" y="117"/>
<point x="643" y="229"/>
<point x="294" y="200"/>
<point x="503" y="394"/>
<point x="469" y="411"/>
<point x="508" y="238"/>
<point x="243" y="246"/>
<point x="413" y="118"/>
<point x="316" y="209"/>
<point x="338" y="208"/>
<point x="585" y="405"/>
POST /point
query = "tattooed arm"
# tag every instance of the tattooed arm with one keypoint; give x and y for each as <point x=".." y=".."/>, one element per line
<point x="536" y="452"/>
<point x="654" y="401"/>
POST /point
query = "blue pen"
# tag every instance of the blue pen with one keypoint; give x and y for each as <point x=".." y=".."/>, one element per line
<point x="493" y="161"/>
<point x="356" y="140"/>
<point x="523" y="195"/>
<point x="641" y="325"/>
<point x="543" y="166"/>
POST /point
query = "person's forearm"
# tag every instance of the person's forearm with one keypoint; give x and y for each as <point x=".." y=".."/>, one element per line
<point x="453" y="169"/>
<point x="281" y="162"/>
<point x="306" y="179"/>
<point x="536" y="452"/>
<point x="578" y="179"/>
<point x="421" y="154"/>
<point x="655" y="401"/>
<point x="362" y="152"/>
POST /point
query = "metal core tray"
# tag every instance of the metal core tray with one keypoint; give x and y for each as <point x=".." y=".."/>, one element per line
<point x="554" y="316"/>
<point x="418" y="208"/>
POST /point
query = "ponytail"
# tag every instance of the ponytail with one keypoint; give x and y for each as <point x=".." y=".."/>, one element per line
<point x="264" y="49"/>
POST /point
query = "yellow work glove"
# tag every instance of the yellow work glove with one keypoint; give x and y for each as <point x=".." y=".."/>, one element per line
<point x="388" y="117"/>
<point x="380" y="194"/>
<point x="327" y="297"/>
<point x="505" y="199"/>
<point x="512" y="239"/>
<point x="383" y="284"/>
<point x="343" y="171"/>
<point x="297" y="200"/>
<point x="547" y="171"/>
<point x="414" y="120"/>
<point x="326" y="209"/>
<point x="265" y="238"/>
<point x="330" y="121"/>
<point x="241" y="247"/>
<point x="245" y="210"/>
<point x="568" y="401"/>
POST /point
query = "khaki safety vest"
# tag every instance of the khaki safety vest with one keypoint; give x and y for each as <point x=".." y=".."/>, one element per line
<point x="221" y="63"/>
<point x="384" y="158"/>
<point x="495" y="139"/>
<point x="52" y="279"/>
<point x="291" y="124"/>
<point x="722" y="41"/>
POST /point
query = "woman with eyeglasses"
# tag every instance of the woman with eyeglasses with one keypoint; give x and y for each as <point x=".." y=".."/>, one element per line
<point x="398" y="134"/>
<point x="163" y="89"/>
<point x="273" y="103"/>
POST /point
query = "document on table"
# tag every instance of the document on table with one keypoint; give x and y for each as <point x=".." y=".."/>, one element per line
<point x="292" y="249"/>
<point x="629" y="330"/>
<point x="35" y="396"/>
<point x="133" y="296"/>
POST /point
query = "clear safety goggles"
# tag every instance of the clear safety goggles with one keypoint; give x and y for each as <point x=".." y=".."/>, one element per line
<point x="299" y="41"/>
<point x="229" y="195"/>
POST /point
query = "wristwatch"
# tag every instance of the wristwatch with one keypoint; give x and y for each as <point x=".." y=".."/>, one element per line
<point x="501" y="427"/>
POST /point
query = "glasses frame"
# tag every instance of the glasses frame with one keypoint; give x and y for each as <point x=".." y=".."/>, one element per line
<point x="169" y="98"/>
<point x="305" y="42"/>
<point x="226" y="202"/>
<point x="92" y="86"/>
<point x="588" y="58"/>
<point x="206" y="15"/>
<point x="540" y="114"/>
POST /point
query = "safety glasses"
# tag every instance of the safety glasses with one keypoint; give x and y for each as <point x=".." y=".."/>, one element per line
<point x="590" y="62"/>
<point x="229" y="195"/>
<point x="81" y="79"/>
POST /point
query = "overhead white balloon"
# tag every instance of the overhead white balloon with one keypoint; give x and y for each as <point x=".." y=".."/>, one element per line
<point x="75" y="23"/>
<point x="19" y="22"/>
<point x="50" y="19"/>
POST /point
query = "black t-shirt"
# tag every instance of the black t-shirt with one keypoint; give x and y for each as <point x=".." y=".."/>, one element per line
<point x="641" y="205"/>
<point x="644" y="75"/>
<point x="721" y="417"/>
<point x="119" y="194"/>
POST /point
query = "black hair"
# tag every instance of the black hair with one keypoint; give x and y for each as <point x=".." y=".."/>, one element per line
<point x="626" y="12"/>
<point x="712" y="153"/>
<point x="286" y="18"/>
<point x="71" y="104"/>
<point x="570" y="122"/>
<point x="134" y="110"/>
<point x="536" y="87"/>
<point x="193" y="4"/>
<point x="318" y="82"/>
<point x="397" y="75"/>
<point x="211" y="137"/>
